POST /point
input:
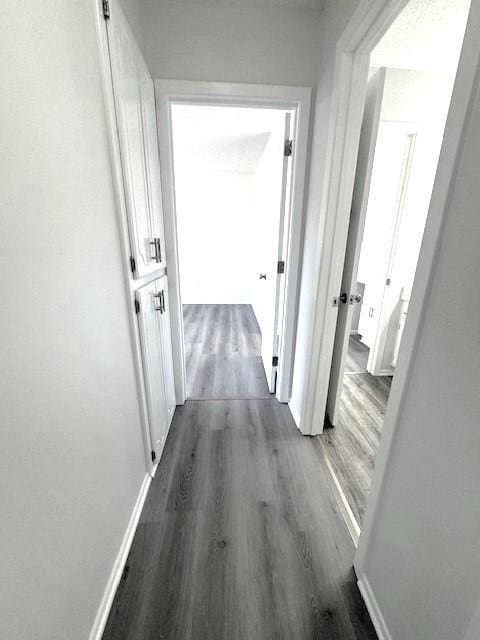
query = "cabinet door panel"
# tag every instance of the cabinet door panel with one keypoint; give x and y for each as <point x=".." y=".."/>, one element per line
<point x="130" y="76"/>
<point x="162" y="289"/>
<point x="152" y="165"/>
<point x="152" y="357"/>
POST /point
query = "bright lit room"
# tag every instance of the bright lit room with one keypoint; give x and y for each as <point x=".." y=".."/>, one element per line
<point x="230" y="185"/>
<point x="410" y="85"/>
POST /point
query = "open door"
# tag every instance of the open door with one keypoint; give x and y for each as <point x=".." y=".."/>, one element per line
<point x="390" y="305"/>
<point x="273" y="179"/>
<point x="349" y="297"/>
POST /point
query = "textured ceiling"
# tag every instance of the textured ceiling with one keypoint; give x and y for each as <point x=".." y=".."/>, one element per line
<point x="222" y="138"/>
<point x="426" y="35"/>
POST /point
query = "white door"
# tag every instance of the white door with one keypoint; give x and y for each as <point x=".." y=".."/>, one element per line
<point x="149" y="306"/>
<point x="135" y="114"/>
<point x="163" y="318"/>
<point x="386" y="323"/>
<point x="366" y="154"/>
<point x="273" y="207"/>
<point x="152" y="166"/>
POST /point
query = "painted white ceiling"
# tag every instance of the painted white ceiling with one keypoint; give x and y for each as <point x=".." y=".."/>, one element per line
<point x="426" y="35"/>
<point x="222" y="138"/>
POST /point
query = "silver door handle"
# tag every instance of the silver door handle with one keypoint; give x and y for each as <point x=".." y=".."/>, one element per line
<point x="159" y="296"/>
<point x="357" y="297"/>
<point x="156" y="243"/>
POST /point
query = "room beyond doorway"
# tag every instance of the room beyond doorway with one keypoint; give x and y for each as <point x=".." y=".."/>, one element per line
<point x="233" y="169"/>
<point x="226" y="203"/>
<point x="407" y="101"/>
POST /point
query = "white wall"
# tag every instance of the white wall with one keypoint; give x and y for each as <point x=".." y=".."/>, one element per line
<point x="216" y="222"/>
<point x="133" y="11"/>
<point x="424" y="555"/>
<point x="428" y="95"/>
<point x="72" y="452"/>
<point x="224" y="172"/>
<point x="414" y="102"/>
<point x="231" y="43"/>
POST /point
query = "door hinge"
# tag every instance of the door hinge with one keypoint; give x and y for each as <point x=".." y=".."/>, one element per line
<point x="133" y="265"/>
<point x="275" y="361"/>
<point x="137" y="306"/>
<point x="154" y="456"/>
<point x="106" y="9"/>
<point x="288" y="148"/>
<point x="281" y="266"/>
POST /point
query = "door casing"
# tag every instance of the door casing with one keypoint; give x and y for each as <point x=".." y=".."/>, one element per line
<point x="296" y="99"/>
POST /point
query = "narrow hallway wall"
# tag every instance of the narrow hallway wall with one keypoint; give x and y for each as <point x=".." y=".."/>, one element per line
<point x="72" y="453"/>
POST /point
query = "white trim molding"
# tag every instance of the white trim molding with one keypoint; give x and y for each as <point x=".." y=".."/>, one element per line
<point x="373" y="609"/>
<point x="296" y="99"/>
<point x="119" y="564"/>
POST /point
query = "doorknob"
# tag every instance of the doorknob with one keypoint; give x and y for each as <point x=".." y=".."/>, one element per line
<point x="263" y="276"/>
<point x="343" y="298"/>
<point x="355" y="297"/>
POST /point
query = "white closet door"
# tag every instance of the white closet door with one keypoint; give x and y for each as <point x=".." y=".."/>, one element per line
<point x="149" y="321"/>
<point x="152" y="165"/>
<point x="166" y="337"/>
<point x="133" y="107"/>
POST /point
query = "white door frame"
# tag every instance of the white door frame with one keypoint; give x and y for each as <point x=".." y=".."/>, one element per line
<point x="297" y="99"/>
<point x="370" y="21"/>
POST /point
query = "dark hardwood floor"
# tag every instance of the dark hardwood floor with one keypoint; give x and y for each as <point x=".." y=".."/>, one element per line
<point x="352" y="445"/>
<point x="240" y="537"/>
<point x="222" y="352"/>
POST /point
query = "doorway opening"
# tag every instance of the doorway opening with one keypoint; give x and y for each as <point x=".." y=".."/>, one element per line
<point x="232" y="181"/>
<point x="409" y="91"/>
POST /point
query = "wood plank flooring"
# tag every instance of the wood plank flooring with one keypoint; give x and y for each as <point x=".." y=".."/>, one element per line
<point x="240" y="537"/>
<point x="222" y="352"/>
<point x="357" y="356"/>
<point x="352" y="445"/>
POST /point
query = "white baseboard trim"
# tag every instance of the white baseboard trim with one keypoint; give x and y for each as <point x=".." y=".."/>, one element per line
<point x="373" y="609"/>
<point x="295" y="414"/>
<point x="119" y="564"/>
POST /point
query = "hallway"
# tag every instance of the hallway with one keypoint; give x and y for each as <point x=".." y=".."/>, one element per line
<point x="240" y="536"/>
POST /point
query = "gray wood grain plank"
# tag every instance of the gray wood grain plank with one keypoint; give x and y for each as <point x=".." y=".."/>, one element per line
<point x="222" y="352"/>
<point x="352" y="445"/>
<point x="240" y="537"/>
